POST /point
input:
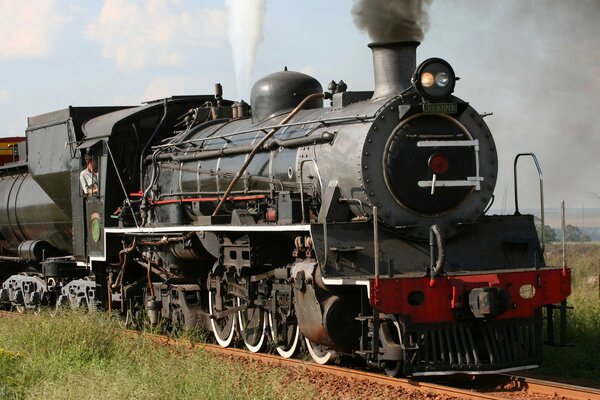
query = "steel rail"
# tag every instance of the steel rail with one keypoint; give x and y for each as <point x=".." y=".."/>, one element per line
<point x="556" y="389"/>
<point x="519" y="385"/>
<point x="401" y="383"/>
<point x="522" y="384"/>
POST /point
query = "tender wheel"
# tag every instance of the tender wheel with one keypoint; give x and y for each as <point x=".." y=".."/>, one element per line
<point x="286" y="336"/>
<point x="253" y="327"/>
<point x="223" y="328"/>
<point x="321" y="354"/>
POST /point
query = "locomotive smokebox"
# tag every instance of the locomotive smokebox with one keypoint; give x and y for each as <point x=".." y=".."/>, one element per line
<point x="394" y="64"/>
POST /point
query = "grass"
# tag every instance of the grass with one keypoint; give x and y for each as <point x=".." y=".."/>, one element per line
<point x="75" y="356"/>
<point x="581" y="359"/>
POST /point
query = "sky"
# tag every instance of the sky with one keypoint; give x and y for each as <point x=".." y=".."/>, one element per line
<point x="535" y="64"/>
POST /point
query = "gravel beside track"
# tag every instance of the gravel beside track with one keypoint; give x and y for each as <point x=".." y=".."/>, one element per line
<point x="343" y="383"/>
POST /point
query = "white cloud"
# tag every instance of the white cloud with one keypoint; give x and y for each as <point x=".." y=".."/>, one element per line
<point x="4" y="96"/>
<point x="28" y="28"/>
<point x="165" y="86"/>
<point x="137" y="33"/>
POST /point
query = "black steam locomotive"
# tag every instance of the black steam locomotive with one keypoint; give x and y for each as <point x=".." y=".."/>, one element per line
<point x="354" y="230"/>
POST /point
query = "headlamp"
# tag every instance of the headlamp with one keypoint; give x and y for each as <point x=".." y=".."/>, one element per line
<point x="434" y="79"/>
<point x="427" y="79"/>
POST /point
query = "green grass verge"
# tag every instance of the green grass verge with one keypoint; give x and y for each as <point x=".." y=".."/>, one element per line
<point x="82" y="356"/>
<point x="75" y="356"/>
<point x="581" y="359"/>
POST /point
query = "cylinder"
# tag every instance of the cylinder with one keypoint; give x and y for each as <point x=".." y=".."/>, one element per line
<point x="243" y="109"/>
<point x="234" y="111"/>
<point x="153" y="309"/>
<point x="34" y="250"/>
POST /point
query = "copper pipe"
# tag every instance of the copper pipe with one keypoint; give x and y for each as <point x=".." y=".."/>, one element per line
<point x="166" y="240"/>
<point x="125" y="252"/>
<point x="260" y="145"/>
<point x="109" y="284"/>
<point x="150" y="286"/>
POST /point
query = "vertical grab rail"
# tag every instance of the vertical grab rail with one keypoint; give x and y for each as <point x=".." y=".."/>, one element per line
<point x="541" y="178"/>
<point x="302" y="182"/>
<point x="325" y="244"/>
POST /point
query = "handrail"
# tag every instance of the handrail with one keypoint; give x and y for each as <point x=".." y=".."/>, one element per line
<point x="541" y="178"/>
<point x="563" y="236"/>
<point x="122" y="185"/>
<point x="323" y="121"/>
<point x="301" y="177"/>
<point x="376" y="243"/>
<point x="259" y="145"/>
<point x="302" y="182"/>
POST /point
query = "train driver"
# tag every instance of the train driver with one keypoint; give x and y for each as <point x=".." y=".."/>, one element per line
<point x="88" y="178"/>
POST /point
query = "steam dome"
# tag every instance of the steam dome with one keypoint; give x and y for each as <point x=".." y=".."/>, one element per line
<point x="282" y="91"/>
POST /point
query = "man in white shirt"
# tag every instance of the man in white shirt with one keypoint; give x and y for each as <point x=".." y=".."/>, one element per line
<point x="88" y="178"/>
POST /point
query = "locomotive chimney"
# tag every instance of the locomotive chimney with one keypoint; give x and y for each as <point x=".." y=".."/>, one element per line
<point x="394" y="64"/>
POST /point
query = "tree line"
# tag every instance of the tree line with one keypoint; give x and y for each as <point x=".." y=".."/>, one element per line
<point x="572" y="234"/>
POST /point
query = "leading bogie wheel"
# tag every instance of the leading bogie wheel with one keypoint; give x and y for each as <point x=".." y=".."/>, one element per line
<point x="391" y="329"/>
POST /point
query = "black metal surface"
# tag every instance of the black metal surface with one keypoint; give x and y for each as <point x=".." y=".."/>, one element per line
<point x="488" y="302"/>
<point x="51" y="142"/>
<point x="393" y="65"/>
<point x="27" y="213"/>
<point x="95" y="213"/>
<point x="407" y="164"/>
<point x="472" y="347"/>
<point x="282" y="91"/>
<point x="62" y="268"/>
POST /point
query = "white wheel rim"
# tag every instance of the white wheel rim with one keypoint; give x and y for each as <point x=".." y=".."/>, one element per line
<point x="281" y="349"/>
<point x="393" y="372"/>
<point x="259" y="346"/>
<point x="222" y="342"/>
<point x="327" y="357"/>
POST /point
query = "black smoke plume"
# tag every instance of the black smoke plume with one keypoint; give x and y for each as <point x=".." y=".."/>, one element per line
<point x="392" y="20"/>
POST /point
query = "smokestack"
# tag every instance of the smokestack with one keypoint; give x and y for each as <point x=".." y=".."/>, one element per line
<point x="393" y="64"/>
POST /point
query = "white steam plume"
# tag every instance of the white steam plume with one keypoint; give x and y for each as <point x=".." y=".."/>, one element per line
<point x="245" y="21"/>
<point x="392" y="20"/>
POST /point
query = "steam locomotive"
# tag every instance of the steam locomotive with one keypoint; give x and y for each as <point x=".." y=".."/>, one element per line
<point x="352" y="230"/>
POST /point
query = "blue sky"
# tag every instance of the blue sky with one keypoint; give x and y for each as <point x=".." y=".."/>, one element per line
<point x="535" y="64"/>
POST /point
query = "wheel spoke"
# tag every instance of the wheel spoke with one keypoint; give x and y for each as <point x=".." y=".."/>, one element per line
<point x="223" y="328"/>
<point x="285" y="336"/>
<point x="253" y="327"/>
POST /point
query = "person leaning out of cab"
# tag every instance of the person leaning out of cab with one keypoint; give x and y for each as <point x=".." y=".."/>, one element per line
<point x="88" y="178"/>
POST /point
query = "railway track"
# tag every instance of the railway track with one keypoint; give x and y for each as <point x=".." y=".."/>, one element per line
<point x="480" y="387"/>
<point x="461" y="387"/>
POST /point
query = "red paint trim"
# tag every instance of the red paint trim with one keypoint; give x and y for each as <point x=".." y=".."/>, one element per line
<point x="390" y="295"/>
<point x="208" y="199"/>
<point x="200" y="199"/>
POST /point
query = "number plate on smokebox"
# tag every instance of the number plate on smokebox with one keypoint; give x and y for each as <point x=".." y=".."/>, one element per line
<point x="440" y="108"/>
